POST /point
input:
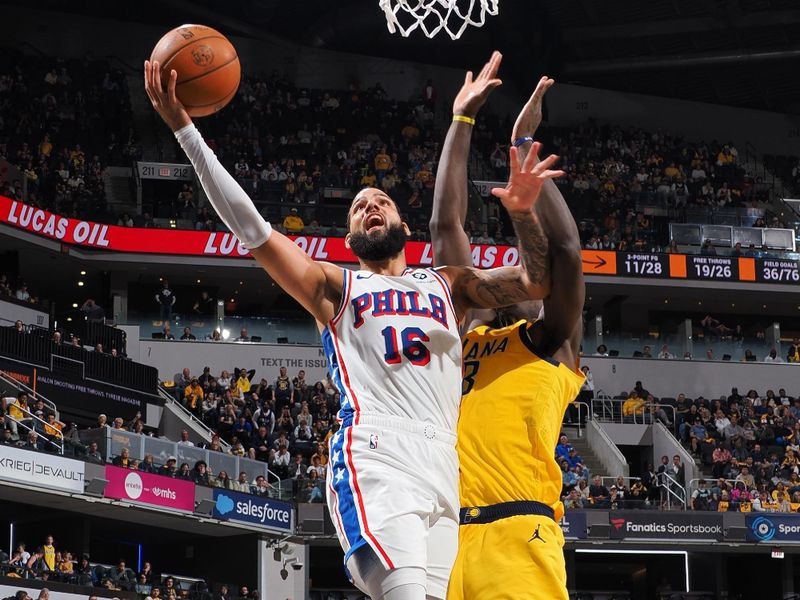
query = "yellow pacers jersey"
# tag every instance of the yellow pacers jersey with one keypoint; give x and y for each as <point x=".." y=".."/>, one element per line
<point x="511" y="411"/>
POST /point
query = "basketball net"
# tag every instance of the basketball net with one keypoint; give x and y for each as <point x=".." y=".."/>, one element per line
<point x="431" y="16"/>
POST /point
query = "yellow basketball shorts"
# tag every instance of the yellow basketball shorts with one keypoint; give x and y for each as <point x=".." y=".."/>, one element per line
<point x="516" y="558"/>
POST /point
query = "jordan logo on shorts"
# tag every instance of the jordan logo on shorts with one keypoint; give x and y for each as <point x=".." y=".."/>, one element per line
<point x="373" y="441"/>
<point x="536" y="536"/>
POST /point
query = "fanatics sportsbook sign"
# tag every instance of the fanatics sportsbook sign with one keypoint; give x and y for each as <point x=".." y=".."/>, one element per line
<point x="41" y="469"/>
<point x="653" y="525"/>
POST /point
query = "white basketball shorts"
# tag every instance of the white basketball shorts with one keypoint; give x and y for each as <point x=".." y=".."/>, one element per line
<point x="393" y="485"/>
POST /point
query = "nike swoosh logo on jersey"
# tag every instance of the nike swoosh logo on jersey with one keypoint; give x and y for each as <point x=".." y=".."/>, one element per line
<point x="360" y="276"/>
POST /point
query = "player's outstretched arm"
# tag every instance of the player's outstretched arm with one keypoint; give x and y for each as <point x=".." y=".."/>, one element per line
<point x="530" y="280"/>
<point x="450" y="195"/>
<point x="317" y="286"/>
<point x="563" y="309"/>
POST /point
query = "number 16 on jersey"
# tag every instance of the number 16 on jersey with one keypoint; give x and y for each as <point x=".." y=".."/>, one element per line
<point x="411" y="345"/>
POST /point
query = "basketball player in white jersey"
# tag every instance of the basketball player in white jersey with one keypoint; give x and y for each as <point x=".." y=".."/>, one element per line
<point x="392" y="338"/>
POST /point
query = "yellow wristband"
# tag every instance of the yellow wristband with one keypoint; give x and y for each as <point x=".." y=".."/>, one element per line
<point x="464" y="119"/>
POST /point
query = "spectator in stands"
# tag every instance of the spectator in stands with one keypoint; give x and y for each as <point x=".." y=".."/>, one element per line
<point x="22" y="293"/>
<point x="187" y="334"/>
<point x="123" y="459"/>
<point x="184" y="472"/>
<point x="293" y="223"/>
<point x="33" y="441"/>
<point x="200" y="474"/>
<point x="241" y="484"/>
<point x="223" y="481"/>
<point x="243" y="385"/>
<point x="185" y="441"/>
<point x="721" y="459"/>
<point x="36" y="567"/>
<point x="142" y="587"/>
<point x="165" y="299"/>
<point x="746" y="478"/>
<point x="619" y="494"/>
<point x="563" y="447"/>
<point x="243" y="336"/>
<point x="280" y="462"/>
<point x="283" y="390"/>
<point x="193" y="397"/>
<point x="122" y="576"/>
<point x="6" y="439"/>
<point x="93" y="454"/>
<point x="49" y="553"/>
<point x="599" y="494"/>
<point x="665" y="353"/>
<point x="205" y="305"/>
<point x="166" y="332"/>
<point x="19" y="412"/>
<point x="634" y="406"/>
<point x="169" y="468"/>
<point x="793" y="355"/>
<point x="92" y="311"/>
<point x="52" y="431"/>
<point x="701" y="497"/>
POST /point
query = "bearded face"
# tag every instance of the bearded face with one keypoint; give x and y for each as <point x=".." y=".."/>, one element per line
<point x="377" y="232"/>
<point x="380" y="245"/>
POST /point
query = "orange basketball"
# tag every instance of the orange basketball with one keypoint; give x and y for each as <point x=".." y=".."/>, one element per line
<point x="207" y="66"/>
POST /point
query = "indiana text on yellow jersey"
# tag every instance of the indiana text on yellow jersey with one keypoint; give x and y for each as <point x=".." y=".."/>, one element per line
<point x="513" y="402"/>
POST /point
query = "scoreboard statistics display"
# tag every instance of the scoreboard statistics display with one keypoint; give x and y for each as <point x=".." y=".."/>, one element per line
<point x="633" y="264"/>
<point x="714" y="268"/>
<point x="690" y="266"/>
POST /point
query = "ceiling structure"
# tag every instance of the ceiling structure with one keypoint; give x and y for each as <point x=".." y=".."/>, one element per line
<point x="734" y="52"/>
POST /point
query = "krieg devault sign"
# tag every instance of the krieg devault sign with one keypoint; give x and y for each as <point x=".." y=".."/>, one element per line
<point x="41" y="469"/>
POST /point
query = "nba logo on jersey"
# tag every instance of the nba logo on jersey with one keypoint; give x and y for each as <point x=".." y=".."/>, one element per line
<point x="373" y="441"/>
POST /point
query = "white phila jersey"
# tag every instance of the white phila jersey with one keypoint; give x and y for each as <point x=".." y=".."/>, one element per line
<point x="394" y="348"/>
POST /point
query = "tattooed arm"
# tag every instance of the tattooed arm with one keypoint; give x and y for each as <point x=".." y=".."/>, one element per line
<point x="563" y="325"/>
<point x="504" y="286"/>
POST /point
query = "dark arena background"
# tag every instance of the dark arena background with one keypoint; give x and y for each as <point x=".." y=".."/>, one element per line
<point x="128" y="311"/>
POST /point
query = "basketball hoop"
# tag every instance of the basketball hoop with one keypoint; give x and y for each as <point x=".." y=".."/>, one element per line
<point x="431" y="16"/>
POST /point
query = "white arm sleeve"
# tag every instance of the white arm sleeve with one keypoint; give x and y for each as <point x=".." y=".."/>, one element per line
<point x="227" y="197"/>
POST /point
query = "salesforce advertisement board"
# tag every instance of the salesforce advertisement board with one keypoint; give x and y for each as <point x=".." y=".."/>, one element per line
<point x="773" y="527"/>
<point x="652" y="525"/>
<point x="253" y="510"/>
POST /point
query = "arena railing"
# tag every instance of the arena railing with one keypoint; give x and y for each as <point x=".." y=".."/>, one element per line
<point x="670" y="491"/>
<point x="10" y="383"/>
<point x="710" y="481"/>
<point x="191" y="417"/>
<point x="112" y="441"/>
<point x="55" y="442"/>
<point x="610" y="410"/>
<point x="584" y="412"/>
<point x="35" y="346"/>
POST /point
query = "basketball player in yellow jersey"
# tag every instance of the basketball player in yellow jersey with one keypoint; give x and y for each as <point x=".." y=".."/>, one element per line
<point x="520" y="373"/>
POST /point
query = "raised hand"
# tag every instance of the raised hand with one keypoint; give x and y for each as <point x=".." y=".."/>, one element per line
<point x="164" y="101"/>
<point x="474" y="92"/>
<point x="525" y="183"/>
<point x="530" y="117"/>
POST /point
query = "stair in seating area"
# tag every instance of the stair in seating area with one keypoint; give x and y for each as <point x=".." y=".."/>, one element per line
<point x="584" y="451"/>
